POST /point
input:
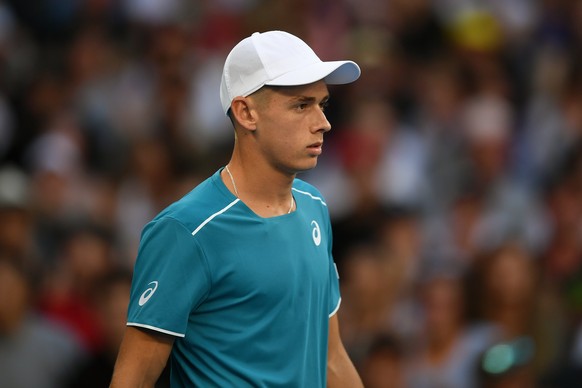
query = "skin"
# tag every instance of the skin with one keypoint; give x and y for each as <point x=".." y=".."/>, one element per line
<point x="278" y="133"/>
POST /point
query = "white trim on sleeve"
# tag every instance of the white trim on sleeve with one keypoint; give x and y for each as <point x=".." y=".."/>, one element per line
<point x="156" y="329"/>
<point x="336" y="307"/>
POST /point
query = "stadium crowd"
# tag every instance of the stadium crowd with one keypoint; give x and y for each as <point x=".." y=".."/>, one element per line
<point x="453" y="175"/>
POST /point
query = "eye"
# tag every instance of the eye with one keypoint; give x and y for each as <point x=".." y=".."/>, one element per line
<point x="302" y="106"/>
<point x="323" y="105"/>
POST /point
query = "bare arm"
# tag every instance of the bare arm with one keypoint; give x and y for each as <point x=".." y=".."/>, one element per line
<point x="142" y="357"/>
<point x="340" y="369"/>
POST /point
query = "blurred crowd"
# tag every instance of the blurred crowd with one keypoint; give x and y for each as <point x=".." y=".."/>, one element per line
<point x="453" y="176"/>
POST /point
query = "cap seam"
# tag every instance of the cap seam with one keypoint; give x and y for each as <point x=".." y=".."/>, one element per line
<point x="260" y="55"/>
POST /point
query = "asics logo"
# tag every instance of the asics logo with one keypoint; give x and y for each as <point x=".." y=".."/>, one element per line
<point x="147" y="294"/>
<point x="316" y="233"/>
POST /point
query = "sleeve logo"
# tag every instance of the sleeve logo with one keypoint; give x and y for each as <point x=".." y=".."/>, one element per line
<point x="316" y="233"/>
<point x="147" y="294"/>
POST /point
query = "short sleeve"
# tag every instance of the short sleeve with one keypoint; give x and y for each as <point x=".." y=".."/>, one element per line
<point x="170" y="278"/>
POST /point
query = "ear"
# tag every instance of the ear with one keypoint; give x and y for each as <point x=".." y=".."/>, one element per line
<point x="243" y="113"/>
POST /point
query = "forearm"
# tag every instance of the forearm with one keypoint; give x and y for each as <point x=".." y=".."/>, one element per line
<point x="341" y="371"/>
<point x="127" y="375"/>
<point x="124" y="380"/>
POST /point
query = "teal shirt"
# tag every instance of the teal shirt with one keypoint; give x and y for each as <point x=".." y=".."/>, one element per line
<point x="247" y="298"/>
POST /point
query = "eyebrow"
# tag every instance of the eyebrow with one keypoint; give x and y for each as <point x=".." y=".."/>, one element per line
<point x="307" y="99"/>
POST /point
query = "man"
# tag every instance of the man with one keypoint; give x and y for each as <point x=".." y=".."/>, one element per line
<point x="235" y="282"/>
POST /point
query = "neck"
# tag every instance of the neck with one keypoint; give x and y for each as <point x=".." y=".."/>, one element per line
<point x="267" y="193"/>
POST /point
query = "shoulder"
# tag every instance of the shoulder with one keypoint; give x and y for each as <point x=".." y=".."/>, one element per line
<point x="204" y="202"/>
<point x="309" y="192"/>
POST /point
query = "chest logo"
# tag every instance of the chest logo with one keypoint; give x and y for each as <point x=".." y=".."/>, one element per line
<point x="316" y="233"/>
<point x="147" y="294"/>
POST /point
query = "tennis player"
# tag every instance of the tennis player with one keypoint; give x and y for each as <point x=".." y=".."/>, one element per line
<point x="235" y="284"/>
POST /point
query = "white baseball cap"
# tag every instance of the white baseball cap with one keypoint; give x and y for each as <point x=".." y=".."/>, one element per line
<point x="277" y="58"/>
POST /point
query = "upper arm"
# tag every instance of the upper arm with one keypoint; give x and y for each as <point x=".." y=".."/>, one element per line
<point x="170" y="278"/>
<point x="334" y="342"/>
<point x="143" y="355"/>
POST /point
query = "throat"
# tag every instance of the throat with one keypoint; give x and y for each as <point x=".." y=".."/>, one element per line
<point x="255" y="205"/>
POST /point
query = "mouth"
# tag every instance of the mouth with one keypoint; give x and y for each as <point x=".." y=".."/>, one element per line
<point x="315" y="148"/>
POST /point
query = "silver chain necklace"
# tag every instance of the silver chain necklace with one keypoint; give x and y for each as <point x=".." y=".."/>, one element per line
<point x="236" y="191"/>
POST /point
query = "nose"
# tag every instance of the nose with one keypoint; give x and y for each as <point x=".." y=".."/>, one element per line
<point x="322" y="123"/>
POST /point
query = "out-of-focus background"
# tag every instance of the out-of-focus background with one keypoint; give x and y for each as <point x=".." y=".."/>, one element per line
<point x="453" y="175"/>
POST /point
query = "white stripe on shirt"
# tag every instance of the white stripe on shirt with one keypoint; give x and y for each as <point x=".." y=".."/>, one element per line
<point x="214" y="215"/>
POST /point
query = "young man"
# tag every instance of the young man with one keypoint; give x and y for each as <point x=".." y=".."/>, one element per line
<point x="235" y="282"/>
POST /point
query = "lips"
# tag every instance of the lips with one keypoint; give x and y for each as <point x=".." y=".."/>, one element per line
<point x="315" y="147"/>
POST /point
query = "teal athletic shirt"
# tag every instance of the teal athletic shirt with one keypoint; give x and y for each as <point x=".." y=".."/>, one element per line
<point x="248" y="299"/>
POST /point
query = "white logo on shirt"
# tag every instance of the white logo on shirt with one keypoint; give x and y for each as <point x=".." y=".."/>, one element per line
<point x="147" y="294"/>
<point x="316" y="234"/>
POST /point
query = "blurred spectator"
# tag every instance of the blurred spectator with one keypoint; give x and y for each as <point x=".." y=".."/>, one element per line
<point x="367" y="300"/>
<point x="508" y="365"/>
<point x="400" y="242"/>
<point x="16" y="220"/>
<point x="449" y="347"/>
<point x="567" y="371"/>
<point x="439" y="92"/>
<point x="149" y="187"/>
<point x="34" y="352"/>
<point x="383" y="365"/>
<point x="562" y="260"/>
<point x="378" y="279"/>
<point x="111" y="304"/>
<point x="509" y="293"/>
<point x="553" y="123"/>
<point x="68" y="293"/>
<point x="155" y="11"/>
<point x="6" y="128"/>
<point x="491" y="207"/>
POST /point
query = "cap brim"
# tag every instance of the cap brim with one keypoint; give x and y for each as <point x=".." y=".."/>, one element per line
<point x="332" y="72"/>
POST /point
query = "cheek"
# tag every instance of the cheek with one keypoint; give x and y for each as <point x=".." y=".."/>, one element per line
<point x="285" y="148"/>
<point x="281" y="133"/>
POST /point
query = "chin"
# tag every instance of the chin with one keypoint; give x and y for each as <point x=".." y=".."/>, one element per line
<point x="302" y="168"/>
<point x="309" y="165"/>
<point x="301" y="165"/>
